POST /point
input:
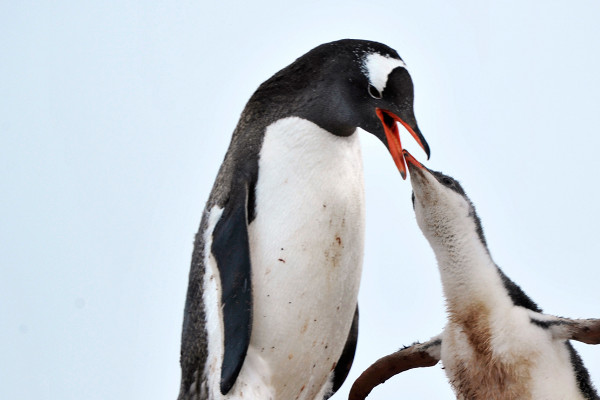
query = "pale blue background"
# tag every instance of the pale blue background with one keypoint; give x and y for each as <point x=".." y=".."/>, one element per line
<point x="115" y="116"/>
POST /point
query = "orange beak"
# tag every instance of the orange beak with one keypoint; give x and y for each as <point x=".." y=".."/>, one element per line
<point x="411" y="160"/>
<point x="389" y="121"/>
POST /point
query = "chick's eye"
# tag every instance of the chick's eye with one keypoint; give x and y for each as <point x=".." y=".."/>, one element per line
<point x="374" y="92"/>
<point x="447" y="181"/>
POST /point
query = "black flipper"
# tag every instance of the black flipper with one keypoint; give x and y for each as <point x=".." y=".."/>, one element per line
<point x="231" y="249"/>
<point x="342" y="368"/>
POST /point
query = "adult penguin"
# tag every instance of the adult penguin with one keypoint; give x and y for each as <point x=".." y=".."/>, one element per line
<point x="271" y="309"/>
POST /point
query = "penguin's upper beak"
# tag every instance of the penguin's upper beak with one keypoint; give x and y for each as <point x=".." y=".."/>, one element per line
<point x="389" y="121"/>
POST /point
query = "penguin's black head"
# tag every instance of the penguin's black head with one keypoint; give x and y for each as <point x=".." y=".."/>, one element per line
<point x="350" y="84"/>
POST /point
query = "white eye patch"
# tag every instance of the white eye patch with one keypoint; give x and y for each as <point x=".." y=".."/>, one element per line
<point x="377" y="68"/>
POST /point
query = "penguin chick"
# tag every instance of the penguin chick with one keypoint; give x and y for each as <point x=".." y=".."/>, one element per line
<point x="497" y="343"/>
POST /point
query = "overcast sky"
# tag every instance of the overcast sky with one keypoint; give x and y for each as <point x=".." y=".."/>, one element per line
<point x="114" y="119"/>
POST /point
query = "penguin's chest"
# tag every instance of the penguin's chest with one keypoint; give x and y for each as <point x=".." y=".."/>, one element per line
<point x="477" y="368"/>
<point x="306" y="246"/>
<point x="502" y="355"/>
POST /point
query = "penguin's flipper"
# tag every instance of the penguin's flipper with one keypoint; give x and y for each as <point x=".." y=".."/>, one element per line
<point x="586" y="330"/>
<point x="582" y="330"/>
<point x="418" y="355"/>
<point x="342" y="367"/>
<point x="231" y="249"/>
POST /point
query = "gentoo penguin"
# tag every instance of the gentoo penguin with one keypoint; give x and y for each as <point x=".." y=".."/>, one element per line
<point x="497" y="343"/>
<point x="271" y="309"/>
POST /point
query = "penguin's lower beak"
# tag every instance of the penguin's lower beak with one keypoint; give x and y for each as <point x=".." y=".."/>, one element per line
<point x="389" y="121"/>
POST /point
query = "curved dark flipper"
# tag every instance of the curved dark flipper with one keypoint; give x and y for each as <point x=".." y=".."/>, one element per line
<point x="231" y="250"/>
<point x="342" y="368"/>
<point x="418" y="355"/>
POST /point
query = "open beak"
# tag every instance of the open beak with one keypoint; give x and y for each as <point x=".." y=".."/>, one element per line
<point x="389" y="121"/>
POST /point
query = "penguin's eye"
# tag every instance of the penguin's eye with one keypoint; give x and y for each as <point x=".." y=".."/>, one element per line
<point x="374" y="92"/>
<point x="447" y="181"/>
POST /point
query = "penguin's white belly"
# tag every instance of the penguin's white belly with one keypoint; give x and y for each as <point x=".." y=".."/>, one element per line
<point x="306" y="246"/>
<point x="516" y="359"/>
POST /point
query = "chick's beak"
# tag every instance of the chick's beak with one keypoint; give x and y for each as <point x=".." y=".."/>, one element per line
<point x="411" y="160"/>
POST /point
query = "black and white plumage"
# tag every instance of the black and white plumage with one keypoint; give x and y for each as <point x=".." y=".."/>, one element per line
<point x="497" y="343"/>
<point x="271" y="309"/>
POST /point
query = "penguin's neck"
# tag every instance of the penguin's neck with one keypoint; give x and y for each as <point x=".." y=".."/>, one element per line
<point x="468" y="273"/>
